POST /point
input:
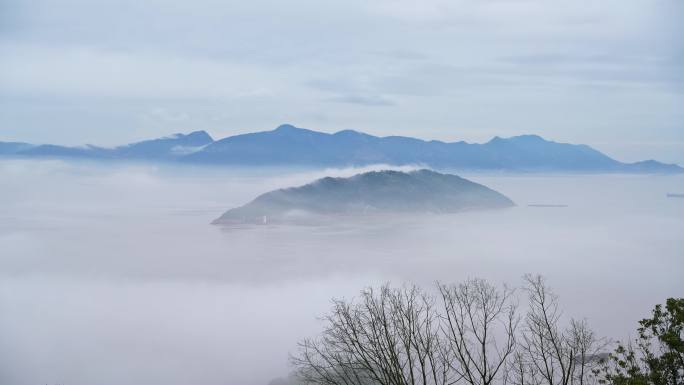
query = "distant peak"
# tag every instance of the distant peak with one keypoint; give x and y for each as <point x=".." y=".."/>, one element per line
<point x="348" y="132"/>
<point x="290" y="130"/>
<point x="200" y="134"/>
<point x="180" y="135"/>
<point x="287" y="127"/>
<point x="530" y="138"/>
<point x="353" y="133"/>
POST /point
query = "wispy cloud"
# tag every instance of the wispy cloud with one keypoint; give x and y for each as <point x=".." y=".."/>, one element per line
<point x="362" y="100"/>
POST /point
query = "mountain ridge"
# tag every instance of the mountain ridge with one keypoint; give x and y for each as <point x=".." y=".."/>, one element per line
<point x="151" y="149"/>
<point x="288" y="145"/>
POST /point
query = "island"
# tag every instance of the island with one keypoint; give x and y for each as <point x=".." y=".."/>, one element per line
<point x="376" y="192"/>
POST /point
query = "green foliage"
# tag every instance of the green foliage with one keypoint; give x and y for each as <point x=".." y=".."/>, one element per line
<point x="656" y="357"/>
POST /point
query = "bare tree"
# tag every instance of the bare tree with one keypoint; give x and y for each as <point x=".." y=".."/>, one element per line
<point x="390" y="338"/>
<point x="468" y="334"/>
<point x="553" y="355"/>
<point x="476" y="314"/>
<point x="586" y="347"/>
<point x="519" y="371"/>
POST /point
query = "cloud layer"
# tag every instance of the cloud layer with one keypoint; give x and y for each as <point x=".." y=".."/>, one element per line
<point x="112" y="274"/>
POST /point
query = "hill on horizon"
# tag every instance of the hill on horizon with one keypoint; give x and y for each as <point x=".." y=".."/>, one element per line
<point x="288" y="145"/>
<point x="416" y="192"/>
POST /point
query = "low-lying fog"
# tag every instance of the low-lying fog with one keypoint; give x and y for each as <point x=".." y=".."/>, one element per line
<point x="113" y="275"/>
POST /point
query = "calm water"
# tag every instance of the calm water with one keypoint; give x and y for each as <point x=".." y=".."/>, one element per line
<point x="113" y="275"/>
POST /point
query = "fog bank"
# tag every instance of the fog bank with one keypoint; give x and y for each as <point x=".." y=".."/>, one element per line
<point x="112" y="274"/>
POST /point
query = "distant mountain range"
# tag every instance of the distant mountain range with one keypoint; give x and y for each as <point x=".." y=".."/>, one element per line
<point x="291" y="146"/>
<point x="422" y="191"/>
<point x="168" y="148"/>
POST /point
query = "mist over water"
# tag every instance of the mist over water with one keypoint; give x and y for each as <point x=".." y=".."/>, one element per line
<point x="111" y="274"/>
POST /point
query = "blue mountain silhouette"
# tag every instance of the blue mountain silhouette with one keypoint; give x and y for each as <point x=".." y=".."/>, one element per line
<point x="288" y="145"/>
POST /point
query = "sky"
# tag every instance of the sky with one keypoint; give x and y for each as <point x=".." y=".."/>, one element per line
<point x="605" y="73"/>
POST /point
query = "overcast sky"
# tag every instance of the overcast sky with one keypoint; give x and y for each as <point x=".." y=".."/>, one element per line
<point x="607" y="73"/>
